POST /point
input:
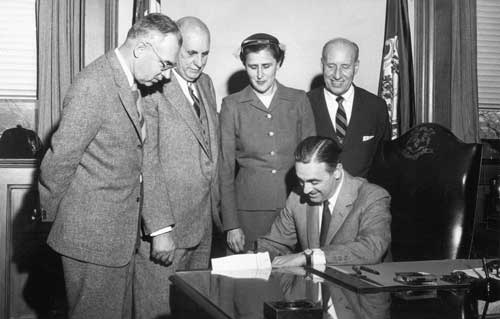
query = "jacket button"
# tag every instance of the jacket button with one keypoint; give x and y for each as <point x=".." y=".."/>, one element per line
<point x="271" y="133"/>
<point x="272" y="153"/>
<point x="139" y="145"/>
<point x="138" y="199"/>
<point x="268" y="116"/>
<point x="273" y="171"/>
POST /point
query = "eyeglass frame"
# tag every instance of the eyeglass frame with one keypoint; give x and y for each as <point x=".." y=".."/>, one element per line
<point x="165" y="65"/>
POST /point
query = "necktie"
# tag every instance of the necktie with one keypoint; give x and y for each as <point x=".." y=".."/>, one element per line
<point x="341" y="120"/>
<point x="325" y="223"/>
<point x="142" y="124"/>
<point x="196" y="101"/>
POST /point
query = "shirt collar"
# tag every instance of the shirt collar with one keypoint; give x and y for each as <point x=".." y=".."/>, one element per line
<point x="348" y="95"/>
<point x="128" y="73"/>
<point x="333" y="199"/>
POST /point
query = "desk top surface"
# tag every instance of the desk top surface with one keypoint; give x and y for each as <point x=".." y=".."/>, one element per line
<point x="226" y="296"/>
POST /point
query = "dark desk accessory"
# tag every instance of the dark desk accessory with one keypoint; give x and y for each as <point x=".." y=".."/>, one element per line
<point x="458" y="277"/>
<point x="493" y="267"/>
<point x="296" y="309"/>
<point x="416" y="278"/>
<point x="359" y="274"/>
<point x="487" y="289"/>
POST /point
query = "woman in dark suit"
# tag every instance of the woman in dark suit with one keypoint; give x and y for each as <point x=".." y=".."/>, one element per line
<point x="260" y="127"/>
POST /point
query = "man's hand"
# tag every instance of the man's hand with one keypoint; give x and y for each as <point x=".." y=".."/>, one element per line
<point x="236" y="240"/>
<point x="162" y="248"/>
<point x="292" y="260"/>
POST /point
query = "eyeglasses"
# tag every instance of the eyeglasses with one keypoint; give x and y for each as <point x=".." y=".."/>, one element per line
<point x="165" y="65"/>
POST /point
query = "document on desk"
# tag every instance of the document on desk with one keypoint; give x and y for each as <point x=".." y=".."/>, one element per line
<point x="243" y="266"/>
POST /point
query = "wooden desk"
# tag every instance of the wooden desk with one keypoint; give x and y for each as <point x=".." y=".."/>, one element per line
<point x="384" y="281"/>
<point x="200" y="294"/>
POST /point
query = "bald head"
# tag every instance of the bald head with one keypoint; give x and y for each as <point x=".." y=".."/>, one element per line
<point x="189" y="25"/>
<point x="193" y="55"/>
<point x="339" y="43"/>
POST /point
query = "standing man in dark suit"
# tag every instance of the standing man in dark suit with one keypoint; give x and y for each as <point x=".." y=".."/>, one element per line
<point x="187" y="137"/>
<point x="354" y="117"/>
<point x="99" y="173"/>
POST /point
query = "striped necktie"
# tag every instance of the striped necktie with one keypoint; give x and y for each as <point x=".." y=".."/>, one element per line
<point x="142" y="123"/>
<point x="325" y="223"/>
<point x="341" y="120"/>
<point x="196" y="101"/>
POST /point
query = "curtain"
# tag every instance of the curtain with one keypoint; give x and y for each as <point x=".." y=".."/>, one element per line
<point x="464" y="94"/>
<point x="396" y="73"/>
<point x="60" y="57"/>
<point x="144" y="7"/>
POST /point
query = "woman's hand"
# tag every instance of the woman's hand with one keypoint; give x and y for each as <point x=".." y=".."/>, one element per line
<point x="236" y="240"/>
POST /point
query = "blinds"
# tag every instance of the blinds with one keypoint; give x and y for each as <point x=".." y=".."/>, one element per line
<point x="18" y="64"/>
<point x="488" y="53"/>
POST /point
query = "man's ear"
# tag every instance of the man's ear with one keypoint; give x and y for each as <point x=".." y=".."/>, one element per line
<point x="338" y="171"/>
<point x="356" y="67"/>
<point x="139" y="49"/>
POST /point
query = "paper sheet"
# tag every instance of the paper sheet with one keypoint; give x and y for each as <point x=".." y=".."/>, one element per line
<point x="243" y="266"/>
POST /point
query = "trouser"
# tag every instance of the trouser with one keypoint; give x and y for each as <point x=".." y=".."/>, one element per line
<point x="96" y="291"/>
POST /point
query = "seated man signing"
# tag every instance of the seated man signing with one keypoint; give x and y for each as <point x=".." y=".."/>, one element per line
<point x="335" y="217"/>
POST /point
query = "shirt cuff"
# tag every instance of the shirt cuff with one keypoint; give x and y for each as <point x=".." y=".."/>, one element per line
<point x="318" y="257"/>
<point x="162" y="231"/>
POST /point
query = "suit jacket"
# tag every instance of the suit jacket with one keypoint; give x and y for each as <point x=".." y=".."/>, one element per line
<point x="359" y="231"/>
<point x="369" y="120"/>
<point x="189" y="164"/>
<point x="262" y="142"/>
<point x="90" y="176"/>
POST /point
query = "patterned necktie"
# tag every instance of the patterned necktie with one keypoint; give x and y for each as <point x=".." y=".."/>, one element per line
<point x="325" y="223"/>
<point x="142" y="124"/>
<point x="341" y="120"/>
<point x="196" y="101"/>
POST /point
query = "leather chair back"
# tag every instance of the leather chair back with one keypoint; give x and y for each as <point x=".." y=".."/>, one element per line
<point x="432" y="177"/>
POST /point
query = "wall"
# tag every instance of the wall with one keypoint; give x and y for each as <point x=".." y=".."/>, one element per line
<point x="303" y="27"/>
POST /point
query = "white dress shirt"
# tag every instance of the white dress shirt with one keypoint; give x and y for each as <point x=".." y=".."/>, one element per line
<point x="332" y="105"/>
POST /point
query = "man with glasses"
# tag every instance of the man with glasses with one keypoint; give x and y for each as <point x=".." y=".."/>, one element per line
<point x="185" y="110"/>
<point x="98" y="178"/>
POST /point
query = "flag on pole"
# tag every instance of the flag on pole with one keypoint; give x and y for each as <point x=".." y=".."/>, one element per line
<point x="396" y="74"/>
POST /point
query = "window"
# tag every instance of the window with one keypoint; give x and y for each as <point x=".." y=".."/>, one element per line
<point x="488" y="53"/>
<point x="18" y="63"/>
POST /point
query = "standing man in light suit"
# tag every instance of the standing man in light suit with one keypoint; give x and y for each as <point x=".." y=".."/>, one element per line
<point x="97" y="179"/>
<point x="357" y="119"/>
<point x="187" y="134"/>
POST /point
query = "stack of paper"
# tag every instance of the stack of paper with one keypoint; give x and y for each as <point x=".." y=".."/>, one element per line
<point x="243" y="266"/>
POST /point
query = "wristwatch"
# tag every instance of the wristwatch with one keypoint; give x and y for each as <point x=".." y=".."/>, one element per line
<point x="308" y="253"/>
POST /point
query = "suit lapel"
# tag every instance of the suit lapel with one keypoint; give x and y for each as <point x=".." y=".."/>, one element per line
<point x="173" y="93"/>
<point x="312" y="226"/>
<point x="249" y="96"/>
<point x="278" y="98"/>
<point x="124" y="92"/>
<point x="342" y="207"/>
<point x="325" y="116"/>
<point x="354" y="130"/>
<point x="205" y="95"/>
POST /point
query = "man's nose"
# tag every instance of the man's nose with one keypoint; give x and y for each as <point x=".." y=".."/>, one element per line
<point x="307" y="189"/>
<point x="336" y="73"/>
<point x="259" y="73"/>
<point x="198" y="60"/>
